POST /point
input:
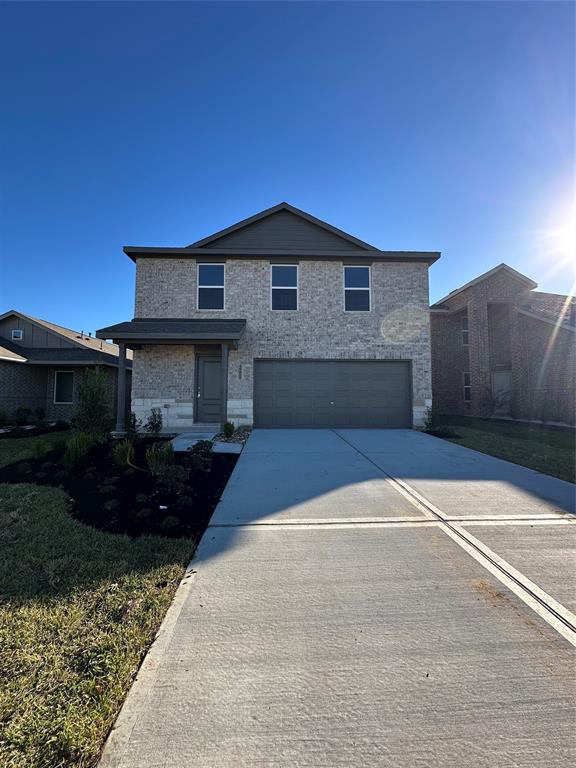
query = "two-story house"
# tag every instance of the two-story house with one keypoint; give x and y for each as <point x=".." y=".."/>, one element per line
<point x="501" y="348"/>
<point x="280" y="320"/>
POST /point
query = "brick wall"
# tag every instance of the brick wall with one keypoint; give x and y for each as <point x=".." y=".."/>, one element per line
<point x="545" y="371"/>
<point x="21" y="385"/>
<point x="449" y="362"/>
<point x="397" y="328"/>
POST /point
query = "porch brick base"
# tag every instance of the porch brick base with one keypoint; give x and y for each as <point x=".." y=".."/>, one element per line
<point x="177" y="415"/>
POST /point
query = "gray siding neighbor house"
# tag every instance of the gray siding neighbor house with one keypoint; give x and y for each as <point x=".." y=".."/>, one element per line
<point x="41" y="365"/>
<point x="279" y="320"/>
<point x="501" y="348"/>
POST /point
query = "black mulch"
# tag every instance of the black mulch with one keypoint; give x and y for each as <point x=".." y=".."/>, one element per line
<point x="122" y="499"/>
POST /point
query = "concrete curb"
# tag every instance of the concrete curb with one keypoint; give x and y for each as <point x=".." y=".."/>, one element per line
<point x="143" y="685"/>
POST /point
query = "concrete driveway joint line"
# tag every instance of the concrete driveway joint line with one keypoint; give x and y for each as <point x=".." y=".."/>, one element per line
<point x="556" y="615"/>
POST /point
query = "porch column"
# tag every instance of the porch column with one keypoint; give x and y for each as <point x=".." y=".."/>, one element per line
<point x="224" y="369"/>
<point x="121" y="389"/>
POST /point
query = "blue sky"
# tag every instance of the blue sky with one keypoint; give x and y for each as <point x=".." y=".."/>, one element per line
<point x="433" y="126"/>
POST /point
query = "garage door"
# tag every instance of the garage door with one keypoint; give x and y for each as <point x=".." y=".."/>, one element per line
<point x="332" y="393"/>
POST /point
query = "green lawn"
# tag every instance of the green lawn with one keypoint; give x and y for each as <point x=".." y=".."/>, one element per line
<point x="19" y="448"/>
<point x="544" y="449"/>
<point x="78" y="611"/>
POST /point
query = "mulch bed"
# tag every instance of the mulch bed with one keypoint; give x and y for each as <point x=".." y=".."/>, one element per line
<point x="121" y="499"/>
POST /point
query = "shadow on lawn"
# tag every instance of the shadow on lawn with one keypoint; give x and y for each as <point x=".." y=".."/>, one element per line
<point x="45" y="552"/>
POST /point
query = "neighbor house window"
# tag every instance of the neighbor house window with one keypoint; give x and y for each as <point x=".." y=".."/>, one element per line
<point x="357" y="289"/>
<point x="210" y="286"/>
<point x="467" y="387"/>
<point x="284" y="285"/>
<point x="17" y="335"/>
<point x="64" y="387"/>
<point x="464" y="330"/>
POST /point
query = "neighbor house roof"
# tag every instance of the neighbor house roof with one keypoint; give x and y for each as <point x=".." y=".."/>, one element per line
<point x="85" y="349"/>
<point x="500" y="268"/>
<point x="339" y="245"/>
<point x="7" y="352"/>
<point x="174" y="329"/>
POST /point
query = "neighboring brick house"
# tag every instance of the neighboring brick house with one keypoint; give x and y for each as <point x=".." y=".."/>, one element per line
<point x="500" y="348"/>
<point x="280" y="320"/>
<point x="41" y="365"/>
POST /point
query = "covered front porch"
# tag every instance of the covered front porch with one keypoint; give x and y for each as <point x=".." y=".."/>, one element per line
<point x="180" y="367"/>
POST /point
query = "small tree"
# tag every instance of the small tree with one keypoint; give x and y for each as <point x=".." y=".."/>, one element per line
<point x="154" y="422"/>
<point x="93" y="414"/>
<point x="132" y="426"/>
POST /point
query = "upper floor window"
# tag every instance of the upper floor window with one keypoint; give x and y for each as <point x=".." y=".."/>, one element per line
<point x="210" y="286"/>
<point x="284" y="286"/>
<point x="357" y="289"/>
<point x="64" y="387"/>
<point x="464" y="329"/>
<point x="17" y="334"/>
<point x="467" y="387"/>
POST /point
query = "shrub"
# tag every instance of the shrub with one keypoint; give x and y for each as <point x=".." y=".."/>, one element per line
<point x="41" y="477"/>
<point x="201" y="455"/>
<point x="90" y="477"/>
<point x="77" y="449"/>
<point x="123" y="452"/>
<point x="431" y="420"/>
<point x="3" y="419"/>
<point x="169" y="523"/>
<point x="23" y="416"/>
<point x="24" y="468"/>
<point x="185" y="502"/>
<point x="141" y="498"/>
<point x="106" y="490"/>
<point x="61" y="425"/>
<point x="144" y="514"/>
<point x="173" y="478"/>
<point x="228" y="429"/>
<point x="62" y="475"/>
<point x="154" y="422"/>
<point x="39" y="414"/>
<point x="159" y="456"/>
<point x="93" y="415"/>
<point x="47" y="466"/>
<point x="112" y="505"/>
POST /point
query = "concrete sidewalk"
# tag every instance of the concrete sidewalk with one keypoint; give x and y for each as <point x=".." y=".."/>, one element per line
<point x="327" y="621"/>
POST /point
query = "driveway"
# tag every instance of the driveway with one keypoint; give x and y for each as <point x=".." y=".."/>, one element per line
<point x="367" y="598"/>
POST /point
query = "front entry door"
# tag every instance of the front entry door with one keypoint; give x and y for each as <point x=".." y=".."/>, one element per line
<point x="209" y="389"/>
<point x="501" y="392"/>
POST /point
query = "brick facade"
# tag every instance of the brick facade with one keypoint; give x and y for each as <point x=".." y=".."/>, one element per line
<point x="32" y="386"/>
<point x="512" y="330"/>
<point x="21" y="386"/>
<point x="397" y="328"/>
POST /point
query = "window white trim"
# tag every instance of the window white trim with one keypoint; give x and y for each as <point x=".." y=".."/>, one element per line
<point x="466" y="388"/>
<point x="223" y="286"/>
<point x="63" y="402"/>
<point x="285" y="287"/>
<point x="369" y="288"/>
<point x="17" y="334"/>
<point x="464" y="331"/>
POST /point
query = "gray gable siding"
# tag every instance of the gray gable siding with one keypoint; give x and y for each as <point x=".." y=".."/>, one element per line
<point x="284" y="230"/>
<point x="34" y="336"/>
